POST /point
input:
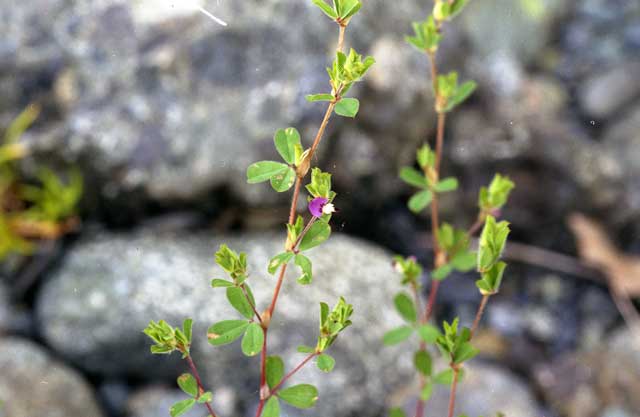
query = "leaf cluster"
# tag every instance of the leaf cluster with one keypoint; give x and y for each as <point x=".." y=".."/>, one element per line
<point x="169" y="339"/>
<point x="450" y="93"/>
<point x="426" y="180"/>
<point x="341" y="11"/>
<point x="455" y="343"/>
<point x="31" y="210"/>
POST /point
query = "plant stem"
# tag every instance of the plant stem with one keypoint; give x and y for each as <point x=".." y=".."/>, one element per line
<point x="201" y="389"/>
<point x="268" y="314"/>
<point x="293" y="372"/>
<point x="454" y="385"/>
<point x="343" y="28"/>
<point x="479" y="314"/>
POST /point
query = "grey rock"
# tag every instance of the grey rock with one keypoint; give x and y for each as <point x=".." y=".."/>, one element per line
<point x="33" y="383"/>
<point x="160" y="103"/>
<point x="615" y="412"/>
<point x="94" y="308"/>
<point x="579" y="384"/>
<point x="155" y="401"/>
<point x="605" y="93"/>
<point x="519" y="29"/>
<point x="485" y="390"/>
<point x="5" y="312"/>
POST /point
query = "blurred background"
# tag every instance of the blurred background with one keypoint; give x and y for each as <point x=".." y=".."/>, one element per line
<point x="161" y="110"/>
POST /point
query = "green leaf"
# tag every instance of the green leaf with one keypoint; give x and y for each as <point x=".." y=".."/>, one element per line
<point x="397" y="412"/>
<point x="461" y="94"/>
<point x="283" y="180"/>
<point x="275" y="370"/>
<point x="428" y="333"/>
<point x="420" y="201"/>
<point x="237" y="299"/>
<point x="286" y="141"/>
<point x="264" y="170"/>
<point x="181" y="407"/>
<point x="422" y="362"/>
<point x="221" y="283"/>
<point x="456" y="7"/>
<point x="491" y="280"/>
<point x="226" y="331"/>
<point x="397" y="335"/>
<point x="347" y="107"/>
<point x="464" y="261"/>
<point x="319" y="97"/>
<point x="413" y="177"/>
<point x="187" y="329"/>
<point x="325" y="8"/>
<point x="318" y="233"/>
<point x="272" y="408"/>
<point x="446" y="185"/>
<point x="442" y="272"/>
<point x="279" y="260"/>
<point x="496" y="195"/>
<point x="252" y="340"/>
<point x="405" y="306"/>
<point x="188" y="384"/>
<point x="325" y="362"/>
<point x="206" y="397"/>
<point x="305" y="265"/>
<point x="444" y="377"/>
<point x="426" y="392"/>
<point x="300" y="396"/>
<point x="352" y="11"/>
<point x="306" y="349"/>
<point x="492" y="242"/>
<point x="465" y="352"/>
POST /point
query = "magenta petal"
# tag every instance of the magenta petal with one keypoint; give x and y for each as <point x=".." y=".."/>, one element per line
<point x="315" y="206"/>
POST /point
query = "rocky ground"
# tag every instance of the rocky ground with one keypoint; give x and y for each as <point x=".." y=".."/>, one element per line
<point x="162" y="110"/>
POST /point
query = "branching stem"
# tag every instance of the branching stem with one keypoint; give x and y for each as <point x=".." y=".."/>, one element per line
<point x="268" y="314"/>
<point x="201" y="389"/>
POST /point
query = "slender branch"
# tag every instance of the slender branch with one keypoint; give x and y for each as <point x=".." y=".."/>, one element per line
<point x="479" y="314"/>
<point x="343" y="28"/>
<point x="294" y="200"/>
<point x="454" y="385"/>
<point x="201" y="389"/>
<point x="253" y="307"/>
<point x="323" y="126"/>
<point x="293" y="372"/>
<point x="476" y="226"/>
<point x="268" y="314"/>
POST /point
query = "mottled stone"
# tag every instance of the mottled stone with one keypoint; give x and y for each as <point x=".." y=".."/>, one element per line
<point x="94" y="308"/>
<point x="33" y="383"/>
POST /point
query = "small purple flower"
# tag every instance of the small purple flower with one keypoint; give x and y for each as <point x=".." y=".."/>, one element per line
<point x="319" y="206"/>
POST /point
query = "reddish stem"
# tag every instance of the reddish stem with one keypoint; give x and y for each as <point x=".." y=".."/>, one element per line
<point x="201" y="389"/>
<point x="454" y="384"/>
<point x="479" y="313"/>
<point x="293" y="372"/>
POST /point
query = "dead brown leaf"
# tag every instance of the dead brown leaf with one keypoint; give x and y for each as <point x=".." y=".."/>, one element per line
<point x="597" y="250"/>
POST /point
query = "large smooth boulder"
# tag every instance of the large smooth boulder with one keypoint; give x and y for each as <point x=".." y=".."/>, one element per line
<point x="34" y="383"/>
<point x="95" y="306"/>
